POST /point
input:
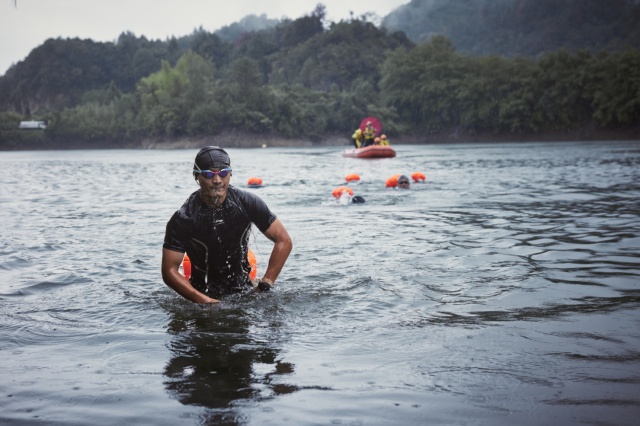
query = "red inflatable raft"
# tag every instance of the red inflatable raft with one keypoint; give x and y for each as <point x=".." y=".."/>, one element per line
<point x="371" y="151"/>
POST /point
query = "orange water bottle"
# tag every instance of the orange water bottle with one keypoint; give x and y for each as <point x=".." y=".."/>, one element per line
<point x="186" y="266"/>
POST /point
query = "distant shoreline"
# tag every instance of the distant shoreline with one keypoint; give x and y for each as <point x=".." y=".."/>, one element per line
<point x="253" y="141"/>
<point x="249" y="140"/>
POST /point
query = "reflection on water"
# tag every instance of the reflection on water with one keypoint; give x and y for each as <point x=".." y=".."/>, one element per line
<point x="504" y="290"/>
<point x="216" y="362"/>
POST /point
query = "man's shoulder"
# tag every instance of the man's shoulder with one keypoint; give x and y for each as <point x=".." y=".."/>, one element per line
<point x="190" y="206"/>
<point x="241" y="195"/>
<point x="253" y="206"/>
<point x="193" y="200"/>
<point x="248" y="200"/>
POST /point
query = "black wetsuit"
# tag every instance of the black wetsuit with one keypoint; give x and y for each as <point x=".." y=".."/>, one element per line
<point x="216" y="239"/>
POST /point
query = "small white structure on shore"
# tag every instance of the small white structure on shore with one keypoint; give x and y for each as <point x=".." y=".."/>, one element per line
<point x="33" y="125"/>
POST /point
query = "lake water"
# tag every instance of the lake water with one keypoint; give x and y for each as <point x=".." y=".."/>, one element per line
<point x="505" y="290"/>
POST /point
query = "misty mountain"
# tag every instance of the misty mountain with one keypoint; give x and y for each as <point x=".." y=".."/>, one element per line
<point x="248" y="24"/>
<point x="521" y="27"/>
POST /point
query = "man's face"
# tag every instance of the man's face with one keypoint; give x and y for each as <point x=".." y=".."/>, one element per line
<point x="403" y="183"/>
<point x="214" y="189"/>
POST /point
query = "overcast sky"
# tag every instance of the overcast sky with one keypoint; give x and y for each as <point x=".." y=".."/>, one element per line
<point x="28" y="24"/>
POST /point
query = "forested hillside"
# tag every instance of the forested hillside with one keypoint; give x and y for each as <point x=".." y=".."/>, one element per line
<point x="308" y="79"/>
<point x="521" y="27"/>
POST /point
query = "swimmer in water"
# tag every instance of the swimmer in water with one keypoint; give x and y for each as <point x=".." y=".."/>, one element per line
<point x="403" y="182"/>
<point x="213" y="227"/>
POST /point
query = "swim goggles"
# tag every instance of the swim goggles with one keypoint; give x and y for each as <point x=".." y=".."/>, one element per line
<point x="208" y="174"/>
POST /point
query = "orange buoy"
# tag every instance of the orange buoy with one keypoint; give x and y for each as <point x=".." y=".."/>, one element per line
<point x="392" y="182"/>
<point x="254" y="264"/>
<point x="352" y="177"/>
<point x="186" y="266"/>
<point x="418" y="177"/>
<point x="337" y="192"/>
<point x="254" y="181"/>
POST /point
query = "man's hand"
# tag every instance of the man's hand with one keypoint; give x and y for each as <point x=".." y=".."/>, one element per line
<point x="281" y="249"/>
<point x="171" y="275"/>
<point x="264" y="285"/>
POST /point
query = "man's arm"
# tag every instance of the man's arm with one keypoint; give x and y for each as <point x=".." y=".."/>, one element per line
<point x="281" y="248"/>
<point x="172" y="277"/>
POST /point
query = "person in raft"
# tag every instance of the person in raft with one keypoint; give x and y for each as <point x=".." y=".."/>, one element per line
<point x="369" y="134"/>
<point x="384" y="141"/>
<point x="213" y="227"/>
<point x="357" y="138"/>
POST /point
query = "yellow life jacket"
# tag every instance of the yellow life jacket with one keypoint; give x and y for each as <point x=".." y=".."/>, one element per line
<point x="369" y="133"/>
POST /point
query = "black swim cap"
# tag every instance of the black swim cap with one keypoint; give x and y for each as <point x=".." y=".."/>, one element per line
<point x="357" y="200"/>
<point x="211" y="157"/>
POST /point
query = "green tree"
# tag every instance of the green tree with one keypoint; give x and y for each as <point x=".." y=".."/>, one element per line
<point x="300" y="112"/>
<point x="613" y="84"/>
<point x="211" y="47"/>
<point x="168" y="96"/>
<point x="420" y="84"/>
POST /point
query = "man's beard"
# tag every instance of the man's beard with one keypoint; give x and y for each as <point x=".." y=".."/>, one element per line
<point x="212" y="198"/>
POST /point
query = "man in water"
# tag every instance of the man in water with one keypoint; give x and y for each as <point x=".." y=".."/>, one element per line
<point x="403" y="182"/>
<point x="213" y="227"/>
